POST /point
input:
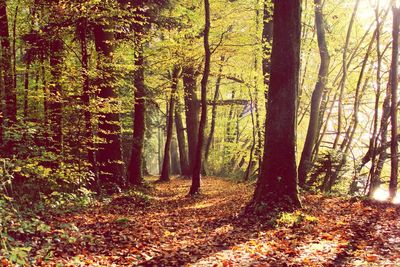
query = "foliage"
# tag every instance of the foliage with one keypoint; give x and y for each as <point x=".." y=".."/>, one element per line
<point x="212" y="230"/>
<point x="294" y="219"/>
<point x="329" y="169"/>
<point x="23" y="214"/>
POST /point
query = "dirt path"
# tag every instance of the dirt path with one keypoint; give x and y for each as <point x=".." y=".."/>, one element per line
<point x="169" y="229"/>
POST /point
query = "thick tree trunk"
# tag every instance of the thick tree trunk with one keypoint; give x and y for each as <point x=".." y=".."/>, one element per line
<point x="135" y="168"/>
<point x="180" y="133"/>
<point x="312" y="132"/>
<point x="195" y="188"/>
<point x="109" y="154"/>
<point x="165" y="171"/>
<point x="394" y="161"/>
<point x="192" y="107"/>
<point x="277" y="184"/>
<point x="10" y="116"/>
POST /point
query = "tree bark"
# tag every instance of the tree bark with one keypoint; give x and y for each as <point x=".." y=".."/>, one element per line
<point x="344" y="74"/>
<point x="165" y="171"/>
<point x="55" y="95"/>
<point x="45" y="98"/>
<point x="277" y="184"/>
<point x="213" y="113"/>
<point x="175" y="164"/>
<point x="135" y="168"/>
<point x="394" y="161"/>
<point x="246" y="175"/>
<point x="26" y="91"/>
<point x="10" y="116"/>
<point x="195" y="187"/>
<point x="109" y="154"/>
<point x="180" y="133"/>
<point x="82" y="29"/>
<point x="376" y="169"/>
<point x="267" y="34"/>
<point x="312" y="132"/>
<point x="192" y="107"/>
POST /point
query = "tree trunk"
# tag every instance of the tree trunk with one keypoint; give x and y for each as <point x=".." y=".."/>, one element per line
<point x="376" y="169"/>
<point x="213" y="113"/>
<point x="10" y="116"/>
<point x="26" y="92"/>
<point x="277" y="184"/>
<point x="165" y="172"/>
<point x="175" y="165"/>
<point x="258" y="149"/>
<point x="349" y="135"/>
<point x="195" y="188"/>
<point x="229" y="134"/>
<point x="45" y="99"/>
<point x="267" y="45"/>
<point x="86" y="93"/>
<point x="312" y="132"/>
<point x="109" y="154"/>
<point x="394" y="161"/>
<point x="180" y="133"/>
<point x="14" y="43"/>
<point x="55" y="95"/>
<point x="344" y="74"/>
<point x="192" y="108"/>
<point x="135" y="168"/>
<point x="253" y="123"/>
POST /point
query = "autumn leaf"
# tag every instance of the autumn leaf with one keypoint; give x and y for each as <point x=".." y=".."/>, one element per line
<point x="372" y="258"/>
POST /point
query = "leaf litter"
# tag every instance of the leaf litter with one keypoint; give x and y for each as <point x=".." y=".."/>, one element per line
<point x="171" y="229"/>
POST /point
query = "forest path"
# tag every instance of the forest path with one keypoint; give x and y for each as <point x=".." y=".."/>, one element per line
<point x="170" y="229"/>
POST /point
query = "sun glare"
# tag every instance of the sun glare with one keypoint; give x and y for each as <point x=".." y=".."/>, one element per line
<point x="367" y="8"/>
<point x="383" y="195"/>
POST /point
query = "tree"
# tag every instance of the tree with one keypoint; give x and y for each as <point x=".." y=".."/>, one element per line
<point x="394" y="161"/>
<point x="82" y="32"/>
<point x="214" y="112"/>
<point x="55" y="97"/>
<point x="165" y="171"/>
<point x="135" y="175"/>
<point x="277" y="183"/>
<point x="344" y="74"/>
<point x="312" y="132"/>
<point x="143" y="14"/>
<point x="7" y="73"/>
<point x="267" y="36"/>
<point x="195" y="187"/>
<point x="109" y="155"/>
<point x="180" y="133"/>
<point x="192" y="107"/>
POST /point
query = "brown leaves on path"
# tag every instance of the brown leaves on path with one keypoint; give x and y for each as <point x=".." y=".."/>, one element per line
<point x="211" y="230"/>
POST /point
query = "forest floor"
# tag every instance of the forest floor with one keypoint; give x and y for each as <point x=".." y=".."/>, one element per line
<point x="167" y="228"/>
